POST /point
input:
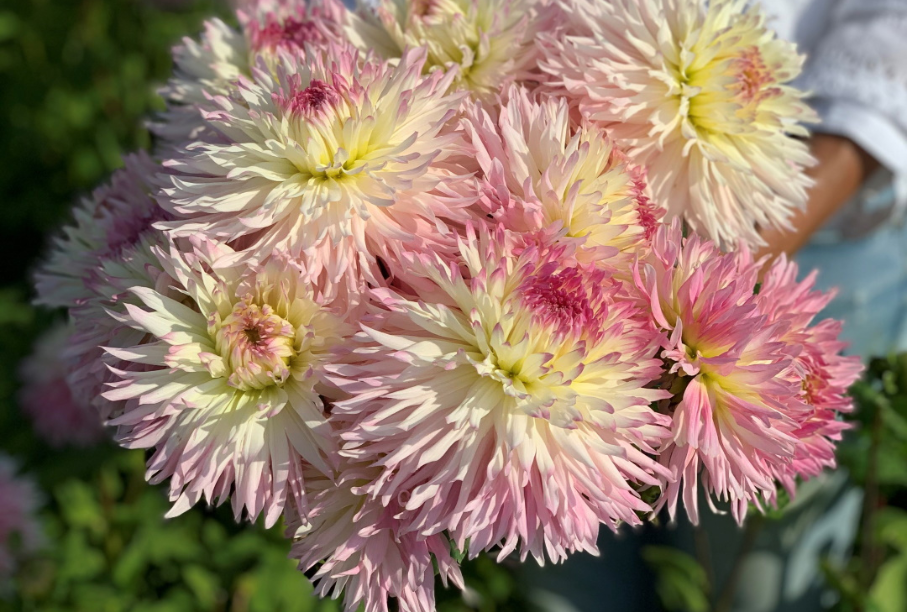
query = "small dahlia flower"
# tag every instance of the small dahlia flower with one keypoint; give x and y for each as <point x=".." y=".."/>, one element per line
<point x="697" y="92"/>
<point x="486" y="44"/>
<point x="230" y="395"/>
<point x="537" y="173"/>
<point x="506" y="402"/>
<point x="57" y="417"/>
<point x="333" y="157"/>
<point x="113" y="219"/>
<point x="738" y="400"/>
<point x="823" y="373"/>
<point x="353" y="547"/>
<point x="213" y="65"/>
<point x="20" y="532"/>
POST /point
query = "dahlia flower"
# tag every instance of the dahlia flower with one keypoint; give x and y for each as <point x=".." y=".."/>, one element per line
<point x="355" y="549"/>
<point x="214" y="64"/>
<point x="485" y="43"/>
<point x="823" y="373"/>
<point x="739" y="400"/>
<point x="697" y="92"/>
<point x="112" y="220"/>
<point x="533" y="370"/>
<point x="556" y="178"/>
<point x="333" y="157"/>
<point x="45" y="397"/>
<point x="230" y="395"/>
<point x="20" y="533"/>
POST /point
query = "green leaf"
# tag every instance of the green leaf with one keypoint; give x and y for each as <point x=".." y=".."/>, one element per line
<point x="889" y="592"/>
<point x="681" y="583"/>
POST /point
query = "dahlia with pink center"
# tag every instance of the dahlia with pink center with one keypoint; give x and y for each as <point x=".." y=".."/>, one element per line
<point x="739" y="402"/>
<point x="357" y="548"/>
<point x="532" y="369"/>
<point x="698" y="92"/>
<point x="823" y="373"/>
<point x="573" y="182"/>
<point x="230" y="393"/>
<point x="335" y="158"/>
<point x="19" y="501"/>
<point x="57" y="417"/>
<point x="214" y="64"/>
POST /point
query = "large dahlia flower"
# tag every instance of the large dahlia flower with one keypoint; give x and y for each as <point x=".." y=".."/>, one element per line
<point x="485" y="43"/>
<point x="506" y="402"/>
<point x="334" y="157"/>
<point x="737" y="371"/>
<point x="223" y="54"/>
<point x="230" y="395"/>
<point x="824" y="374"/>
<point x="353" y="546"/>
<point x="20" y="533"/>
<point x="56" y="415"/>
<point x="697" y="92"/>
<point x="537" y="173"/>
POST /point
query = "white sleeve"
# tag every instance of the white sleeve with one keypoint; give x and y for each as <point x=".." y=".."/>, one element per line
<point x="857" y="74"/>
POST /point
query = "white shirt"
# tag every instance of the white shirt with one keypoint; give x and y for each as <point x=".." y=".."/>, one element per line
<point x="856" y="71"/>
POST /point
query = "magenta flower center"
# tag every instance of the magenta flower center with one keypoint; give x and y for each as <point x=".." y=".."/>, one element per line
<point x="312" y="99"/>
<point x="559" y="301"/>
<point x="256" y="345"/>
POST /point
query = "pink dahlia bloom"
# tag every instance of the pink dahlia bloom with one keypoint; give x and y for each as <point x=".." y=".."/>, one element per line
<point x="57" y="417"/>
<point x="823" y="373"/>
<point x="112" y="220"/>
<point x="19" y="501"/>
<point x="213" y="65"/>
<point x="698" y="92"/>
<point x="537" y="173"/>
<point x="737" y="365"/>
<point x="356" y="548"/>
<point x="230" y="393"/>
<point x="334" y="158"/>
<point x="506" y="401"/>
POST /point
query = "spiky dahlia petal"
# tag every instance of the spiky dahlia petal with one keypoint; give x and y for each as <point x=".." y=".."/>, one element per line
<point x="698" y="92"/>
<point x="522" y="365"/>
<point x="230" y="395"/>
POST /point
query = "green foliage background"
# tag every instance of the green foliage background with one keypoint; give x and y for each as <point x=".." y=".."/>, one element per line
<point x="78" y="81"/>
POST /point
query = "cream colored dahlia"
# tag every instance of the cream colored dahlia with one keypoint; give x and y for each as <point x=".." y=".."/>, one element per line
<point x="538" y="173"/>
<point x="334" y="155"/>
<point x="698" y="92"/>
<point x="230" y="396"/>
<point x="487" y="43"/>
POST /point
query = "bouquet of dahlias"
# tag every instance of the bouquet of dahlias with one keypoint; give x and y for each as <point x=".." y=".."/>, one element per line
<point x="423" y="280"/>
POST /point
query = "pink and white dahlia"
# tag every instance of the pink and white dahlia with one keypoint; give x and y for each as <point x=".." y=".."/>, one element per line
<point x="823" y="372"/>
<point x="113" y="219"/>
<point x="230" y="395"/>
<point x="484" y="44"/>
<point x="738" y="399"/>
<point x="335" y="157"/>
<point x="697" y="92"/>
<point x="214" y="64"/>
<point x="20" y="533"/>
<point x="506" y="402"/>
<point x="357" y="549"/>
<point x="537" y="173"/>
<point x="57" y="417"/>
